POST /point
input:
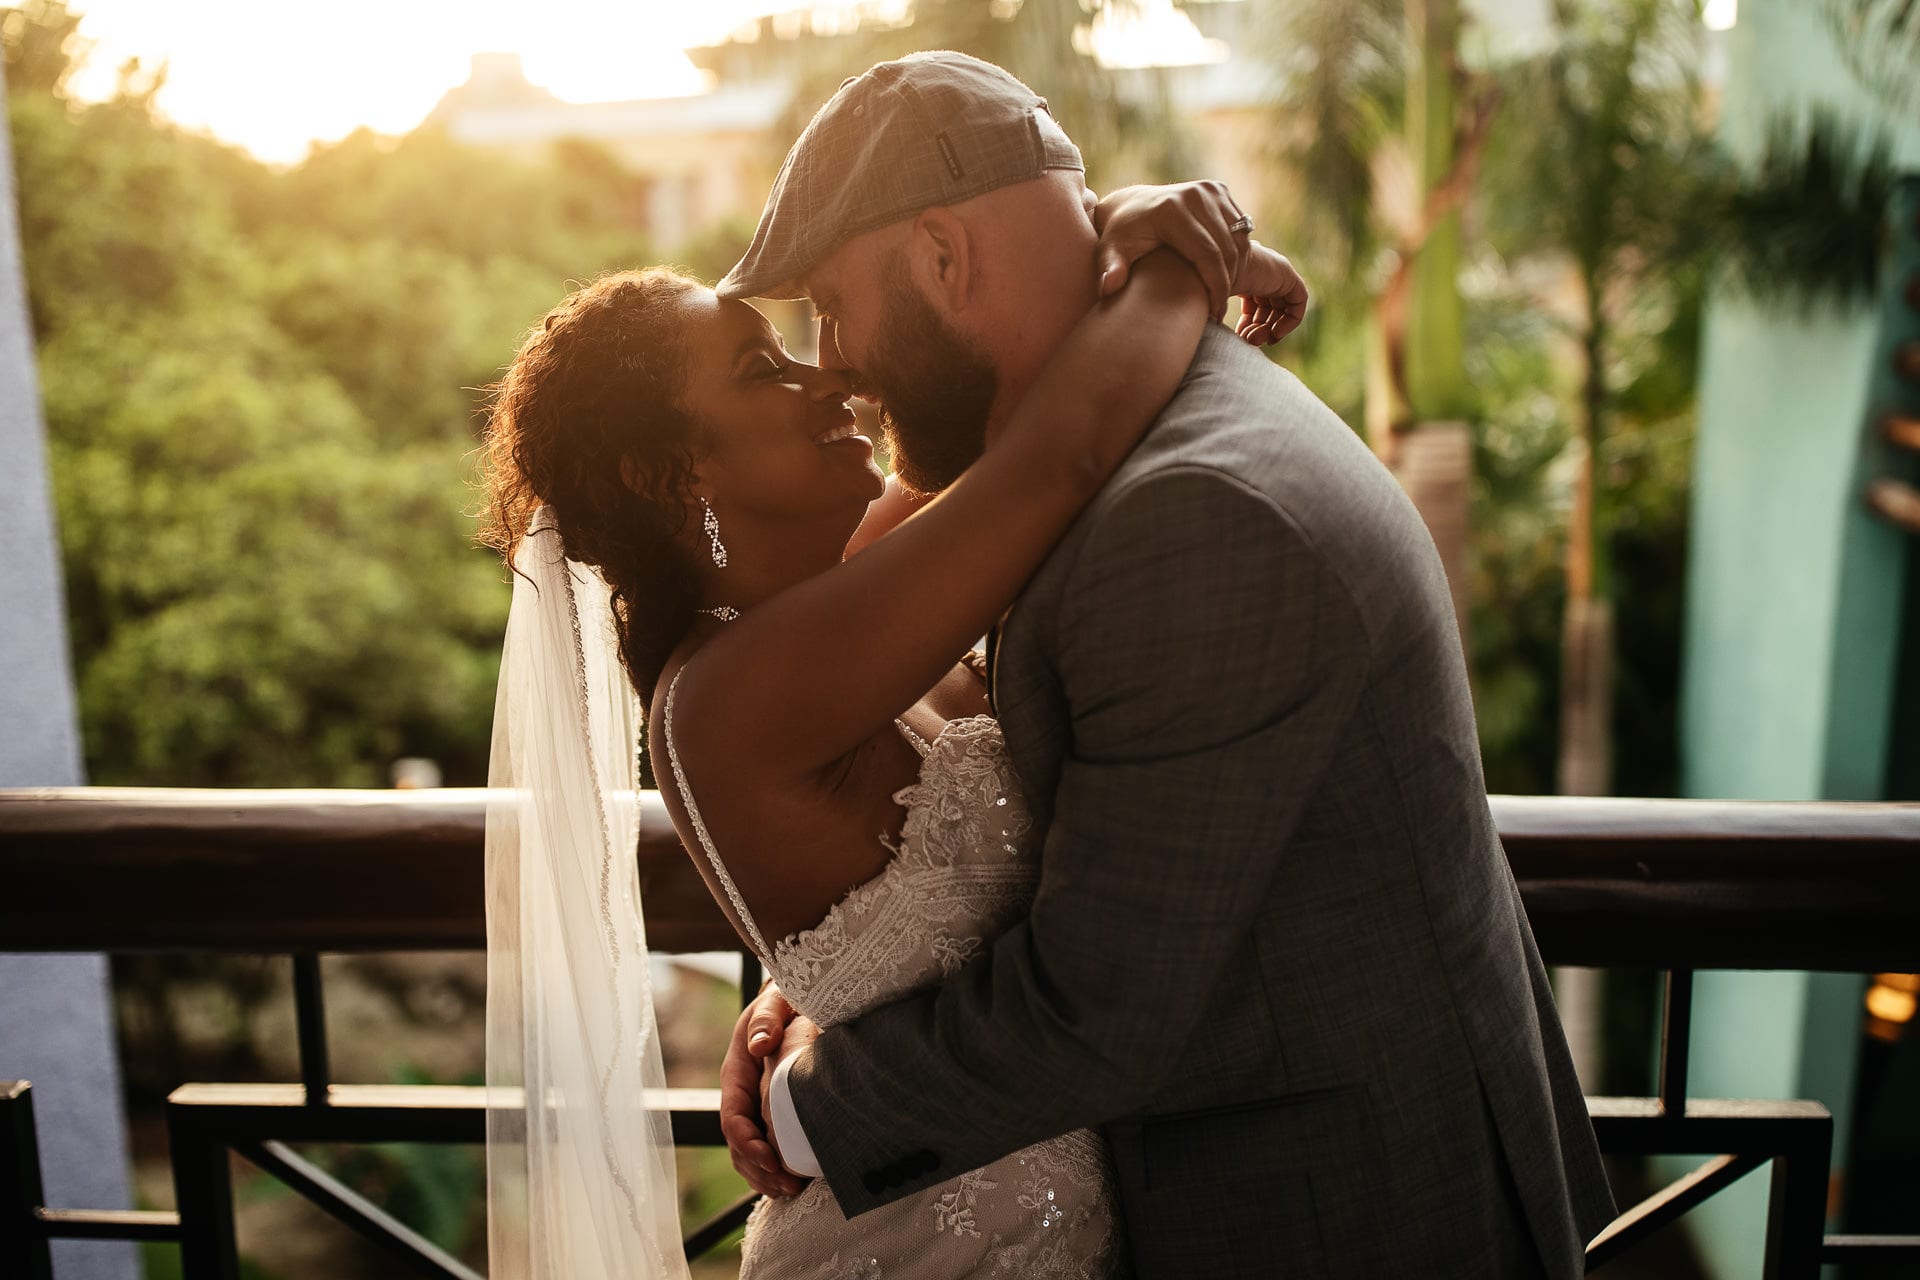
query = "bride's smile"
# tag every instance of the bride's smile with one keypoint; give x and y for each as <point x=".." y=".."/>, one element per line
<point x="783" y="448"/>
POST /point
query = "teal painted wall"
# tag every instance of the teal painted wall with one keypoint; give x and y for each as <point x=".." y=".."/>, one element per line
<point x="1793" y="609"/>
<point x="1781" y="400"/>
<point x="1875" y="664"/>
<point x="1777" y="466"/>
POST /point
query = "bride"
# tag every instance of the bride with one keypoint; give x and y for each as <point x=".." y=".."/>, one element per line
<point x="672" y="487"/>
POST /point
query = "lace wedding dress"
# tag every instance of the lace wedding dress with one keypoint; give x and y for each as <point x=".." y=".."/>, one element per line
<point x="963" y="870"/>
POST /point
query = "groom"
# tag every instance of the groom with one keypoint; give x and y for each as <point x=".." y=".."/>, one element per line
<point x="1277" y="955"/>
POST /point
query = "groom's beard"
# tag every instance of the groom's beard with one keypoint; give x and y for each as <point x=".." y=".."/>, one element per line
<point x="936" y="390"/>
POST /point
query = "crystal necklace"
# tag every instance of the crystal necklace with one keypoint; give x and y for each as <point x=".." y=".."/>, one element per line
<point x="724" y="612"/>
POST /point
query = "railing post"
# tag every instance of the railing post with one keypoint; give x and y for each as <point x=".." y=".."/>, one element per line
<point x="1676" y="1041"/>
<point x="203" y="1192"/>
<point x="1797" y="1209"/>
<point x="23" y="1246"/>
<point x="310" y="1020"/>
<point x="751" y="976"/>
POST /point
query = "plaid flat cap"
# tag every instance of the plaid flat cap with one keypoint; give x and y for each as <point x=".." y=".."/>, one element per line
<point x="928" y="129"/>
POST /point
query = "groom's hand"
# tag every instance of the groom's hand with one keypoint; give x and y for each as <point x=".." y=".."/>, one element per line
<point x="750" y="1055"/>
<point x="800" y="1033"/>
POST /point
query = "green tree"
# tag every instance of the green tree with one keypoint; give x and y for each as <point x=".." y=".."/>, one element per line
<point x="1380" y="130"/>
<point x="1606" y="166"/>
<point x="43" y="46"/>
<point x="1605" y="163"/>
<point x="260" y="397"/>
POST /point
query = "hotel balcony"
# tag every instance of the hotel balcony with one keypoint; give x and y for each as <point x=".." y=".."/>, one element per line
<point x="1673" y="886"/>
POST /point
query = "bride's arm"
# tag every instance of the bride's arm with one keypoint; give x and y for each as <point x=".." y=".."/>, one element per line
<point x="885" y="514"/>
<point x="936" y="583"/>
<point x="1133" y="222"/>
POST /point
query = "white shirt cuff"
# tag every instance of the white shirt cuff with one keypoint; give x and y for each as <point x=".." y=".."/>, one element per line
<point x="788" y="1133"/>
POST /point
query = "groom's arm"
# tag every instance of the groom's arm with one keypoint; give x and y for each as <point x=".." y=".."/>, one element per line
<point x="1210" y="659"/>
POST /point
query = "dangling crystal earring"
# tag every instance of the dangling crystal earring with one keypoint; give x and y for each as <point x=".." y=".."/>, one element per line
<point x="711" y="524"/>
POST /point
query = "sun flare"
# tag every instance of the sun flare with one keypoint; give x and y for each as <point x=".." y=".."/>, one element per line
<point x="274" y="78"/>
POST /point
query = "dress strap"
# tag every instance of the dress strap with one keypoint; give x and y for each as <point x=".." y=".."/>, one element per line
<point x="700" y="830"/>
<point x="920" y="744"/>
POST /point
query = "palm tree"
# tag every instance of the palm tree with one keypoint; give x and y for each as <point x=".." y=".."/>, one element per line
<point x="1606" y="164"/>
<point x="1880" y="40"/>
<point x="1382" y="131"/>
<point x="1606" y="161"/>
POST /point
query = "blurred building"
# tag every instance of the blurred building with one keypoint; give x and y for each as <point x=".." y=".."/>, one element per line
<point x="704" y="158"/>
<point x="707" y="160"/>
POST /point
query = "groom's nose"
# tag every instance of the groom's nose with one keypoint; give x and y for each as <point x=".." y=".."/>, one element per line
<point x="830" y="354"/>
<point x="827" y="383"/>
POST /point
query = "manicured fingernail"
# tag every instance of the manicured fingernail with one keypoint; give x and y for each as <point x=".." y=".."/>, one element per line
<point x="757" y="1039"/>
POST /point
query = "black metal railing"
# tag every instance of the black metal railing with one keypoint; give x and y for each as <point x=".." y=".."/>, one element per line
<point x="1677" y="886"/>
<point x="131" y="870"/>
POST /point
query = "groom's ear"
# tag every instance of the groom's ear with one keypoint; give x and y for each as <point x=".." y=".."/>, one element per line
<point x="943" y="250"/>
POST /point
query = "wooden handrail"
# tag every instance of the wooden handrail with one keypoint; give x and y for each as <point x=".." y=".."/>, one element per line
<point x="1610" y="882"/>
<point x="134" y="869"/>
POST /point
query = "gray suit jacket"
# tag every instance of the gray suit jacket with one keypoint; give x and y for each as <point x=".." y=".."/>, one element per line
<point x="1277" y="951"/>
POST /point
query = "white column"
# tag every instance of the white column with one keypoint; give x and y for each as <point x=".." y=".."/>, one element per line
<point x="56" y="1023"/>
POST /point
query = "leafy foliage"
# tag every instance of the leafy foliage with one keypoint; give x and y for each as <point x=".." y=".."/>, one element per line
<point x="260" y="392"/>
<point x="1599" y="187"/>
<point x="1342" y="76"/>
<point x="1602" y="149"/>
<point x="1880" y="39"/>
<point x="260" y="383"/>
<point x="42" y="45"/>
<point x="1809" y="226"/>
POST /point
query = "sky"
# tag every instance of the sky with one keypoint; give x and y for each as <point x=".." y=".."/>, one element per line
<point x="273" y="75"/>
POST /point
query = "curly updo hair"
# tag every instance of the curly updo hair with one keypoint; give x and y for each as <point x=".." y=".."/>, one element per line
<point x="588" y="422"/>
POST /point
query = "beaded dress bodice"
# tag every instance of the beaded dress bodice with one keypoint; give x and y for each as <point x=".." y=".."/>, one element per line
<point x="963" y="869"/>
<point x="959" y="875"/>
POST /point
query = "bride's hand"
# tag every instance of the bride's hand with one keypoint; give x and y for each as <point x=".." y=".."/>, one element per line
<point x="756" y="1038"/>
<point x="1273" y="296"/>
<point x="1194" y="219"/>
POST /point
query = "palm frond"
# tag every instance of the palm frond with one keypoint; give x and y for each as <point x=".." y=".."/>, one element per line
<point x="1809" y="225"/>
<point x="1880" y="41"/>
<point x="1341" y="69"/>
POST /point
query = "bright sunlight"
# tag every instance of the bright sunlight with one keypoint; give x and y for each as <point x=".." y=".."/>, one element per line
<point x="274" y="78"/>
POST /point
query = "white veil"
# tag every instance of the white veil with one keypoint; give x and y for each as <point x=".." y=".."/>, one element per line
<point x="580" y="1180"/>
